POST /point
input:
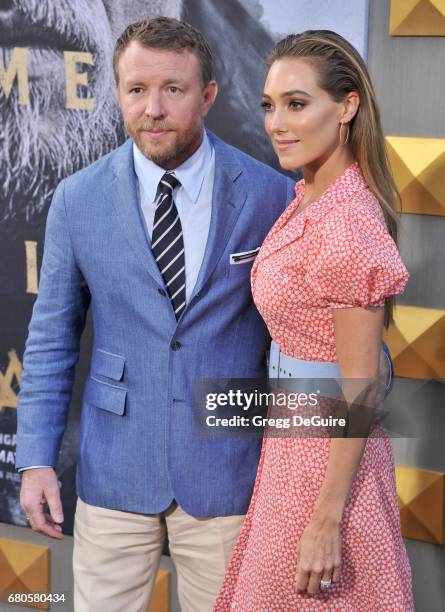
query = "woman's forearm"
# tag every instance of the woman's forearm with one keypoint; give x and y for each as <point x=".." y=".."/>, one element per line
<point x="358" y="344"/>
<point x="344" y="458"/>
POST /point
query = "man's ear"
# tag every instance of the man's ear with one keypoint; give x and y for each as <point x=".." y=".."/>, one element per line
<point x="209" y="95"/>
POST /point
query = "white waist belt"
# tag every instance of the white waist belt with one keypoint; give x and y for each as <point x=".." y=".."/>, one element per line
<point x="321" y="377"/>
<point x="282" y="366"/>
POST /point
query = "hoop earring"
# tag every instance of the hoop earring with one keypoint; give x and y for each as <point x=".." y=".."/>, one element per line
<point x="342" y="144"/>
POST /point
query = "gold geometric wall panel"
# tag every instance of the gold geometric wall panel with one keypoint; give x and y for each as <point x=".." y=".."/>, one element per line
<point x="24" y="569"/>
<point x="160" y="600"/>
<point x="418" y="166"/>
<point x="10" y="381"/>
<point x="417" y="18"/>
<point x="417" y="342"/>
<point x="421" y="502"/>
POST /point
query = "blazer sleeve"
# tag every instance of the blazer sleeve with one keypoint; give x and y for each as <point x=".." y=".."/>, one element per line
<point x="290" y="195"/>
<point x="52" y="347"/>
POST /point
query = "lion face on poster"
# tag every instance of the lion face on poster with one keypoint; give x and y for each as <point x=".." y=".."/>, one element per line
<point x="43" y="141"/>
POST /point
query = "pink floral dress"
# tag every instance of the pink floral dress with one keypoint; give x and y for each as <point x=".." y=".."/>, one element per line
<point x="337" y="253"/>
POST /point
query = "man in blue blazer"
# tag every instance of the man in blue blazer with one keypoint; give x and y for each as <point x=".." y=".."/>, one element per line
<point x="158" y="238"/>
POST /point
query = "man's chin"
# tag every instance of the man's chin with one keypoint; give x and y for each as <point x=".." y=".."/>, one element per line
<point x="157" y="153"/>
<point x="170" y="152"/>
<point x="157" y="156"/>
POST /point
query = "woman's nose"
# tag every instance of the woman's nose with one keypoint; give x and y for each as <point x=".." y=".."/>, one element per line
<point x="276" y="121"/>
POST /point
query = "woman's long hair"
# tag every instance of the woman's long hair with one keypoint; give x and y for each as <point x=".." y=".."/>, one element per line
<point x="341" y="70"/>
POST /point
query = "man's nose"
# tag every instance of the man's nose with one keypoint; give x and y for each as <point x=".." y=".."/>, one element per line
<point x="154" y="107"/>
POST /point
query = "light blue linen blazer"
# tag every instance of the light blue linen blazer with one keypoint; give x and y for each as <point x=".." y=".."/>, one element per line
<point x="139" y="448"/>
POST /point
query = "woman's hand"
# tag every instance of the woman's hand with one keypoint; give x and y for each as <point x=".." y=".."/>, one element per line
<point x="319" y="554"/>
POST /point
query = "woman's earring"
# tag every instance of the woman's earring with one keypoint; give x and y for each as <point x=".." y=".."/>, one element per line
<point x="347" y="135"/>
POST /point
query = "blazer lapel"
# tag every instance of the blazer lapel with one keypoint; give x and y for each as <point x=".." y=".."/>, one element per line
<point x="229" y="197"/>
<point x="125" y="198"/>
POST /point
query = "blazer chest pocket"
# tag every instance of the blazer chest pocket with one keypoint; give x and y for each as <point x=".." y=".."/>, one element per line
<point x="106" y="394"/>
<point x="240" y="264"/>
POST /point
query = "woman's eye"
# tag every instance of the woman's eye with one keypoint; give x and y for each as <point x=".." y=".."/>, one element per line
<point x="266" y="106"/>
<point x="296" y="105"/>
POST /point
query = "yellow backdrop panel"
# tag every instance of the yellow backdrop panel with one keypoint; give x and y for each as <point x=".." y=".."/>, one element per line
<point x="421" y="502"/>
<point x="416" y="341"/>
<point x="417" y="18"/>
<point x="160" y="601"/>
<point x="418" y="165"/>
<point x="24" y="569"/>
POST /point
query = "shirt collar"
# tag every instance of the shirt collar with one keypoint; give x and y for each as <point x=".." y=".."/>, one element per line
<point x="190" y="173"/>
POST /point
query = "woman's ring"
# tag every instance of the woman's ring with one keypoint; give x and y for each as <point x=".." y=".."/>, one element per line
<point x="325" y="584"/>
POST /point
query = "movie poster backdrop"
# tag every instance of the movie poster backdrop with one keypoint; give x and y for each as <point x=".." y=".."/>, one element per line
<point x="59" y="113"/>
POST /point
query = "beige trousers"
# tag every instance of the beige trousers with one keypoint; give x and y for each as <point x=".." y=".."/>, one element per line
<point x="116" y="557"/>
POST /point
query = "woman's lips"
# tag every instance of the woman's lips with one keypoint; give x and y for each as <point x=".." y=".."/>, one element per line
<point x="282" y="145"/>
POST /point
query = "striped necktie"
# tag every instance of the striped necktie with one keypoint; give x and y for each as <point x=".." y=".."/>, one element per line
<point x="167" y="243"/>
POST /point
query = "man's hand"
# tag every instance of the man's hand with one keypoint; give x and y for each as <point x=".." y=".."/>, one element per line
<point x="40" y="486"/>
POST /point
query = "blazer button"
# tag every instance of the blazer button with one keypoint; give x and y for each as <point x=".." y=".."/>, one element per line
<point x="162" y="291"/>
<point x="175" y="346"/>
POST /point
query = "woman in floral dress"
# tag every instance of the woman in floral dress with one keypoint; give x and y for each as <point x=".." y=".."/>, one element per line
<point x="323" y="528"/>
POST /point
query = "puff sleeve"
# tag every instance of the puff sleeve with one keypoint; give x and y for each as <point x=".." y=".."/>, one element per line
<point x="357" y="263"/>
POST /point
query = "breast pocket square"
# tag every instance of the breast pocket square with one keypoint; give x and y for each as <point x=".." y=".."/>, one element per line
<point x="243" y="256"/>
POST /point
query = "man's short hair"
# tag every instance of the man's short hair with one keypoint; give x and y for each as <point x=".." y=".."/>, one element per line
<point x="170" y="34"/>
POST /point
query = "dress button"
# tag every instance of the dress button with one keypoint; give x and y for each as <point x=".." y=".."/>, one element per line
<point x="175" y="346"/>
<point x="162" y="291"/>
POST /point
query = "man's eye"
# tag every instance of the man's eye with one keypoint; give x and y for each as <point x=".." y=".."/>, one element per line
<point x="173" y="89"/>
<point x="136" y="90"/>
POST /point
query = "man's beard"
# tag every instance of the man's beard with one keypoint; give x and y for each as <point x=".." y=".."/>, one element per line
<point x="165" y="155"/>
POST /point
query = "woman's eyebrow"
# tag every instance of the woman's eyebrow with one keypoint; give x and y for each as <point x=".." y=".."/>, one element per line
<point x="295" y="92"/>
<point x="292" y="92"/>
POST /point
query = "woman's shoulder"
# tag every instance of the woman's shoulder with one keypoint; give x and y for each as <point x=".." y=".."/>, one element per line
<point x="357" y="224"/>
<point x="358" y="262"/>
<point x="359" y="209"/>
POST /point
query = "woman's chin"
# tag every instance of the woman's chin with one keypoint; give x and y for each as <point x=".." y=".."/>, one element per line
<point x="289" y="162"/>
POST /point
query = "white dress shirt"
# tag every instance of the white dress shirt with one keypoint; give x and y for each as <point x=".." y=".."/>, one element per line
<point x="193" y="199"/>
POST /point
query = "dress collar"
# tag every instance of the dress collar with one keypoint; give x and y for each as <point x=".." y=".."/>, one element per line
<point x="344" y="187"/>
<point x="286" y="231"/>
